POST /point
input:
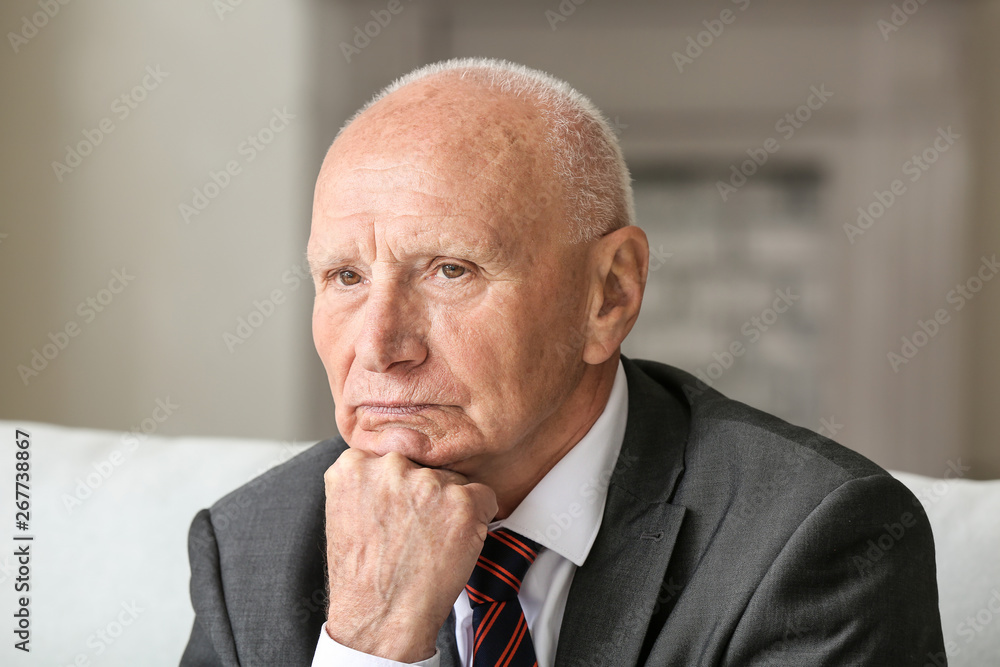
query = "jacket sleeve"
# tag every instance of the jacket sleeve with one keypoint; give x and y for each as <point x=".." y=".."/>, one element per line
<point x="211" y="643"/>
<point x="854" y="585"/>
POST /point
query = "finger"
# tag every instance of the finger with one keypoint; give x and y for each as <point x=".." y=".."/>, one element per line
<point x="484" y="500"/>
<point x="353" y="455"/>
<point x="450" y="476"/>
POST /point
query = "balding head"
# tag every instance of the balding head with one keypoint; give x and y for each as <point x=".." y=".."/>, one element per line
<point x="461" y="319"/>
<point x="588" y="170"/>
<point x="470" y="136"/>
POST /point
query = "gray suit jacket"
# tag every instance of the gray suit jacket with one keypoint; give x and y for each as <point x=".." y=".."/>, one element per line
<point x="729" y="537"/>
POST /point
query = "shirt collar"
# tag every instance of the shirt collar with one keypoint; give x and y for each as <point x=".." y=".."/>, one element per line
<point x="564" y="510"/>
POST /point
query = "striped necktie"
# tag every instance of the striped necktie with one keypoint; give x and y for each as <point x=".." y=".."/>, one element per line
<point x="500" y="633"/>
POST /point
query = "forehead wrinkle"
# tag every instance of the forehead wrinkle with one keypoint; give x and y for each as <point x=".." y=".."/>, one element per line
<point x="425" y="201"/>
<point x="393" y="243"/>
<point x="440" y="238"/>
<point x="481" y="175"/>
<point x="410" y="166"/>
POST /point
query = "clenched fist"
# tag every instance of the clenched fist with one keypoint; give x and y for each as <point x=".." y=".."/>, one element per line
<point x="402" y="541"/>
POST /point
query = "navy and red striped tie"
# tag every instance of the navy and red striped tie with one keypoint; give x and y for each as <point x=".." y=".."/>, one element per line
<point x="500" y="633"/>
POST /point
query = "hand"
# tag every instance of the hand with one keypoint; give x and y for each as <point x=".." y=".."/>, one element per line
<point x="402" y="541"/>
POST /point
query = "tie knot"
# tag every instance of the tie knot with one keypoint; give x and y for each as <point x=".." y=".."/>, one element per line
<point x="501" y="567"/>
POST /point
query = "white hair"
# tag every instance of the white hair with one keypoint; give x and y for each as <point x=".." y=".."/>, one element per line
<point x="596" y="186"/>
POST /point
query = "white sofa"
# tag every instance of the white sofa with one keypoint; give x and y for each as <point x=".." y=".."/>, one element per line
<point x="110" y="513"/>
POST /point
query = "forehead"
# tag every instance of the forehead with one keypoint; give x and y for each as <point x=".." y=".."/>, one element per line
<point x="417" y="209"/>
<point x="437" y="166"/>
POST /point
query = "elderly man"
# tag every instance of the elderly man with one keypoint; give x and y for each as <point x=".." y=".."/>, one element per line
<point x="507" y="488"/>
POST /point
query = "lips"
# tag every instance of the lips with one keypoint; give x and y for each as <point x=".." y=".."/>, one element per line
<point x="394" y="408"/>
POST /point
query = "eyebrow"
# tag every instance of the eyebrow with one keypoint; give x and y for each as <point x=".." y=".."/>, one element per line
<point x="320" y="259"/>
<point x="484" y="249"/>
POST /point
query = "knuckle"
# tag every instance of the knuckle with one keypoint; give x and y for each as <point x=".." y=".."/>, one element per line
<point x="348" y="466"/>
<point x="461" y="501"/>
<point x="393" y="457"/>
<point x="332" y="474"/>
<point x="351" y="455"/>
<point x="349" y="459"/>
<point x="425" y="485"/>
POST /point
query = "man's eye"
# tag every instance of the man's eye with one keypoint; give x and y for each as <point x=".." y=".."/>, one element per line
<point x="348" y="277"/>
<point x="451" y="270"/>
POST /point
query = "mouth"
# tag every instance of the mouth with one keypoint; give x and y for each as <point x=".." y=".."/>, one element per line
<point x="394" y="408"/>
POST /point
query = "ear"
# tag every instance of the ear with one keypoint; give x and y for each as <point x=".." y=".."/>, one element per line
<point x="619" y="261"/>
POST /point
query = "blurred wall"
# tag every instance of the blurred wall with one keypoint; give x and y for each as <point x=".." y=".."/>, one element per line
<point x="893" y="90"/>
<point x="216" y="319"/>
<point x="195" y="187"/>
<point x="982" y="73"/>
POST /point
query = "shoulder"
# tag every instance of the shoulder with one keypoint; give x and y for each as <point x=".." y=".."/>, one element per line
<point x="744" y="471"/>
<point x="751" y="442"/>
<point x="750" y="480"/>
<point x="257" y="564"/>
<point x="289" y="493"/>
<point x="794" y="541"/>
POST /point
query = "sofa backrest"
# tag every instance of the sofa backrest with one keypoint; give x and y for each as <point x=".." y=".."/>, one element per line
<point x="110" y="514"/>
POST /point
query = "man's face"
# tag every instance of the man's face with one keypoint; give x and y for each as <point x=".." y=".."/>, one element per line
<point x="446" y="297"/>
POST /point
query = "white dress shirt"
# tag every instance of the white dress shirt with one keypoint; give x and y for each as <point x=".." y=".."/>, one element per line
<point x="562" y="513"/>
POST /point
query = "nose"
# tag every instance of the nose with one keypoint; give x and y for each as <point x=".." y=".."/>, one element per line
<point x="391" y="337"/>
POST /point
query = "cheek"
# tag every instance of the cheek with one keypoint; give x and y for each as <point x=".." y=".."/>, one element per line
<point x="327" y="337"/>
<point x="485" y="339"/>
<point x="492" y="349"/>
<point x="329" y="347"/>
<point x="322" y="332"/>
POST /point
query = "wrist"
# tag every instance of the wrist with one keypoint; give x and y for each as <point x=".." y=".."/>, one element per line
<point x="402" y="642"/>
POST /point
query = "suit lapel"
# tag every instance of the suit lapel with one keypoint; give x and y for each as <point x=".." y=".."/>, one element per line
<point x="616" y="591"/>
